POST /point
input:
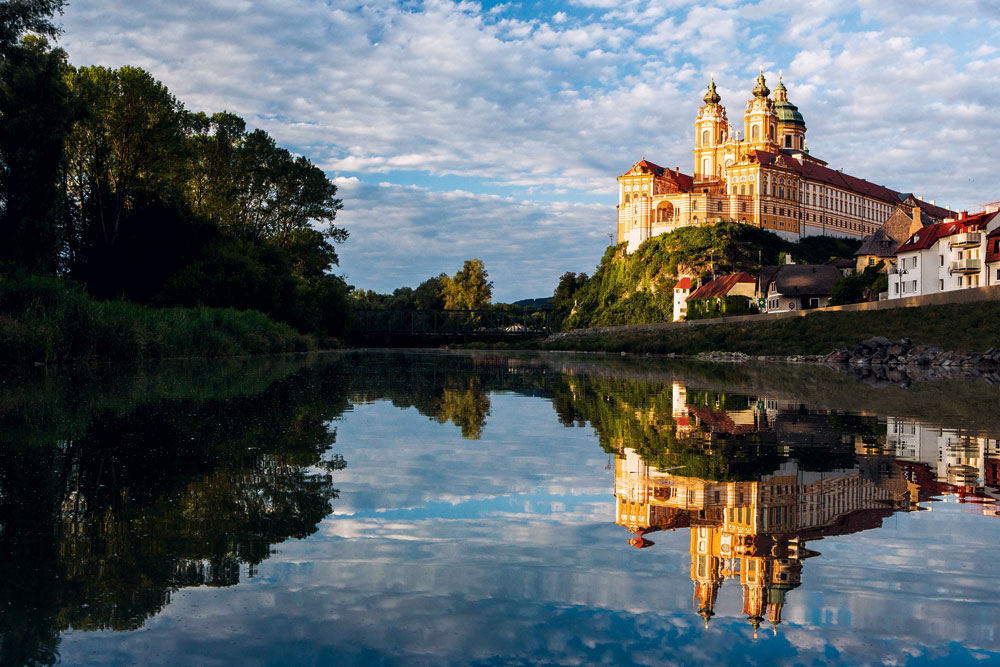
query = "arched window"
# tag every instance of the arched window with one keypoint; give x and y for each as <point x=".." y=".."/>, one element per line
<point x="781" y="192"/>
<point x="704" y="138"/>
<point x="718" y="206"/>
<point x="627" y="198"/>
<point x="756" y="132"/>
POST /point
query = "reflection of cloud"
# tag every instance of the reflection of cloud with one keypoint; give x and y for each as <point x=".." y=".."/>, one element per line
<point x="396" y="574"/>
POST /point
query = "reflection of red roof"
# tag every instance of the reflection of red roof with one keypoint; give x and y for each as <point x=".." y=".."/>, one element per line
<point x="683" y="283"/>
<point x="720" y="422"/>
<point x="683" y="421"/>
<point x="839" y="179"/>
<point x="928" y="236"/>
<point x="722" y="285"/>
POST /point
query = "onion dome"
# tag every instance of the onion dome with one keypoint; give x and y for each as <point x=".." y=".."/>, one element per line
<point x="761" y="90"/>
<point x="787" y="113"/>
<point x="712" y="97"/>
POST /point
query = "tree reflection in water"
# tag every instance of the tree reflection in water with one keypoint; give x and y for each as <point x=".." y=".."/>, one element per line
<point x="119" y="489"/>
<point x="150" y="493"/>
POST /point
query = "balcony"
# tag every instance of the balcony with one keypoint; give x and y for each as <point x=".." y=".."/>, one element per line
<point x="964" y="266"/>
<point x="966" y="240"/>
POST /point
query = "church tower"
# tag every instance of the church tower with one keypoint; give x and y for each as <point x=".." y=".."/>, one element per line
<point x="759" y="120"/>
<point x="709" y="135"/>
<point x="791" y="126"/>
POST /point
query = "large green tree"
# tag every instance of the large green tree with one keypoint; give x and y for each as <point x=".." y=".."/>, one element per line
<point x="18" y="17"/>
<point x="469" y="288"/>
<point x="34" y="120"/>
<point x="126" y="147"/>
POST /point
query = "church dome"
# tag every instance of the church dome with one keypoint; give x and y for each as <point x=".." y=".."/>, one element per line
<point x="786" y="112"/>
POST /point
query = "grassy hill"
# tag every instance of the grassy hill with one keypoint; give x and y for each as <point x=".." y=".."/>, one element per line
<point x="638" y="288"/>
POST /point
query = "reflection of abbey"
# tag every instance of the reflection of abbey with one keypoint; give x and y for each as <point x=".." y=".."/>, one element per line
<point x="763" y="175"/>
<point x="754" y="532"/>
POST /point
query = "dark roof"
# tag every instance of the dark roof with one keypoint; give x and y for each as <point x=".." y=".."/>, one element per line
<point x="721" y="285"/>
<point x="765" y="276"/>
<point x="892" y="233"/>
<point x="818" y="172"/>
<point x="805" y="279"/>
<point x="841" y="263"/>
<point x="928" y="236"/>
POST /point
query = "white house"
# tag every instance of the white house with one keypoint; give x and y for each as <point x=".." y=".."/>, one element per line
<point x="944" y="257"/>
<point x="681" y="291"/>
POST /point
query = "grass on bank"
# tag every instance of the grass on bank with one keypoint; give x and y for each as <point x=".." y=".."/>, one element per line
<point x="47" y="320"/>
<point x="966" y="326"/>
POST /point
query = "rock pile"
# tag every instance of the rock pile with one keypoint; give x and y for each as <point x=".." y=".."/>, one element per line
<point x="880" y="351"/>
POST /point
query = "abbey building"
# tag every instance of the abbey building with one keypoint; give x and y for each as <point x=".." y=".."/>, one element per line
<point x="761" y="175"/>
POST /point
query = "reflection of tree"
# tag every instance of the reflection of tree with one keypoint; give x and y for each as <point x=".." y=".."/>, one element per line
<point x="98" y="529"/>
<point x="464" y="407"/>
<point x="699" y="438"/>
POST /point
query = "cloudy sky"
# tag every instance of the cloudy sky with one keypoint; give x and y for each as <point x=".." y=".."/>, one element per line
<point x="496" y="130"/>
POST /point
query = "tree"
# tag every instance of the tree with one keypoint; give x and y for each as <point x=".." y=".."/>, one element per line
<point x="469" y="288"/>
<point x="18" y="17"/>
<point x="126" y="146"/>
<point x="34" y="120"/>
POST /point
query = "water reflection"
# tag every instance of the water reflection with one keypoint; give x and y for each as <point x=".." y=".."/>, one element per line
<point x="816" y="474"/>
<point x="118" y="490"/>
<point x="110" y="504"/>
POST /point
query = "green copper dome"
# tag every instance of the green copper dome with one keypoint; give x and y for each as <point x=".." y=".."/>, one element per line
<point x="788" y="113"/>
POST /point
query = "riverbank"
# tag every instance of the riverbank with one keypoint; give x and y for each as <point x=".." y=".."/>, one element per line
<point x="50" y="321"/>
<point x="949" y="328"/>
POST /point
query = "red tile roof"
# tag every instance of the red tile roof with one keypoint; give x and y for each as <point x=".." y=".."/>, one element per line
<point x="683" y="283"/>
<point x="722" y="285"/>
<point x="928" y="236"/>
<point x="683" y="181"/>
<point x="817" y="172"/>
<point x="993" y="246"/>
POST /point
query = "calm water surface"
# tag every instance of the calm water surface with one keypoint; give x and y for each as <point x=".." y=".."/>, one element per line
<point x="434" y="508"/>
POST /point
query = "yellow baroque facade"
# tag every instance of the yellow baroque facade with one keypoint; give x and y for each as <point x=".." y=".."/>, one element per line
<point x="762" y="175"/>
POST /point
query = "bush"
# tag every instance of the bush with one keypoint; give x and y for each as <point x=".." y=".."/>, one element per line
<point x="47" y="320"/>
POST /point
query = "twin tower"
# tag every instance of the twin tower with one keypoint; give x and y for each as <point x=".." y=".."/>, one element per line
<point x="768" y="125"/>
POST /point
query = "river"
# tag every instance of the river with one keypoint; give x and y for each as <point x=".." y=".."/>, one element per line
<point x="483" y="508"/>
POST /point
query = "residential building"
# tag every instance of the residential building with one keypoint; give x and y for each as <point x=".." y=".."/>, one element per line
<point x="944" y="257"/>
<point x="681" y="291"/>
<point x="796" y="286"/>
<point x="763" y="175"/>
<point x="881" y="246"/>
<point x="712" y="298"/>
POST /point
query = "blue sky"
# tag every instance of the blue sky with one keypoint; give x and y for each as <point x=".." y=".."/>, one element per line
<point x="496" y="130"/>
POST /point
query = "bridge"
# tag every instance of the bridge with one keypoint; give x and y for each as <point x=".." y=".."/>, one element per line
<point x="465" y="323"/>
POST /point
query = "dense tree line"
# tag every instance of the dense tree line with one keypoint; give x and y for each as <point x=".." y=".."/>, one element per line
<point x="468" y="289"/>
<point x="106" y="179"/>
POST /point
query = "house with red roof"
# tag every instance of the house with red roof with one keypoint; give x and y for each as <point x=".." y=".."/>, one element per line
<point x="681" y="291"/>
<point x="726" y="295"/>
<point x="951" y="255"/>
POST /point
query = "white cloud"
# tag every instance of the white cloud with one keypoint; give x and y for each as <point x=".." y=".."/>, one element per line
<point x="402" y="235"/>
<point x="565" y="102"/>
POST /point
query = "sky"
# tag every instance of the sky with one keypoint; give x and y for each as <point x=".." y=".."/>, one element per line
<point x="456" y="130"/>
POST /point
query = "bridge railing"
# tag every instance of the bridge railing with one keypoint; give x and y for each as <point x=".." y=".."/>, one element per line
<point x="450" y="322"/>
